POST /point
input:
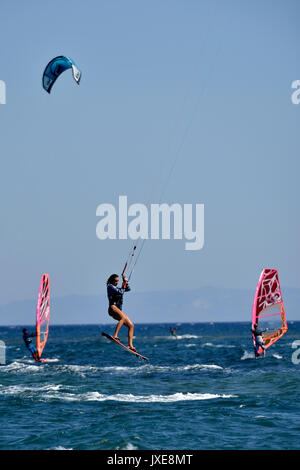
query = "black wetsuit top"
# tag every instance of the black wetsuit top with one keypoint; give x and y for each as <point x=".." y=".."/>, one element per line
<point x="115" y="295"/>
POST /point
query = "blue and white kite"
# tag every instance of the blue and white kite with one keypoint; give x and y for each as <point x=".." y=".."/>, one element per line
<point x="56" y="67"/>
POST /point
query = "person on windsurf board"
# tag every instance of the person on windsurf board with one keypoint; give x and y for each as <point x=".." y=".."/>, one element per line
<point x="27" y="337"/>
<point x="172" y="331"/>
<point x="259" y="342"/>
<point x="115" y="298"/>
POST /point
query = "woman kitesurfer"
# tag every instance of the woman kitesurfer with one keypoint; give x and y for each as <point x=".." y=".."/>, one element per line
<point x="115" y="298"/>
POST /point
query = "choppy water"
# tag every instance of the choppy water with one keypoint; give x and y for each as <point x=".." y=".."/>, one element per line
<point x="204" y="390"/>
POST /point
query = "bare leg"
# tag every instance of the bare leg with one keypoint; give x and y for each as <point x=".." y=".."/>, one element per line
<point x="118" y="327"/>
<point x="130" y="327"/>
<point x="36" y="356"/>
<point x="123" y="319"/>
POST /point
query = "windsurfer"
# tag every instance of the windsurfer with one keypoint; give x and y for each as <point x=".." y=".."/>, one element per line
<point x="115" y="298"/>
<point x="29" y="344"/>
<point x="172" y="331"/>
<point x="259" y="342"/>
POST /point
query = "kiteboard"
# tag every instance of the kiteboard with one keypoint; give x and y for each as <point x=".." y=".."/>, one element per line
<point x="123" y="346"/>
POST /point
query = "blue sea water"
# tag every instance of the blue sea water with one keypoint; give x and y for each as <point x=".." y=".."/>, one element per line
<point x="203" y="390"/>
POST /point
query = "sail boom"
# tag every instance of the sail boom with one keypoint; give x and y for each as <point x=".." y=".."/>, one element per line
<point x="269" y="314"/>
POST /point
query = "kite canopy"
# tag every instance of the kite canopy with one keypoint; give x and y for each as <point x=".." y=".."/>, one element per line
<point x="56" y="67"/>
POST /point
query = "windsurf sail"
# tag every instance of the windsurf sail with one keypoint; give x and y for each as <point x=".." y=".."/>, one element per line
<point x="43" y="314"/>
<point x="268" y="309"/>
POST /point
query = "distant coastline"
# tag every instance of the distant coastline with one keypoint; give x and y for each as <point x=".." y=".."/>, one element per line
<point x="201" y="305"/>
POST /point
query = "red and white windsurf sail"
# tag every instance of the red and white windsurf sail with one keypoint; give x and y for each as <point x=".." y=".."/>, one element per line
<point x="43" y="314"/>
<point x="268" y="309"/>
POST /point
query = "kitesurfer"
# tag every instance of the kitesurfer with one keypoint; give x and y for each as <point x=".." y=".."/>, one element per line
<point x="29" y="344"/>
<point x="172" y="331"/>
<point x="259" y="342"/>
<point x="115" y="298"/>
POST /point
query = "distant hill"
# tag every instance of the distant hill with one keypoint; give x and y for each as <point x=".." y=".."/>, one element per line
<point x="198" y="305"/>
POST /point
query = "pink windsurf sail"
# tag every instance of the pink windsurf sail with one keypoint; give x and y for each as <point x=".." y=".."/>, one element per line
<point x="43" y="314"/>
<point x="268" y="309"/>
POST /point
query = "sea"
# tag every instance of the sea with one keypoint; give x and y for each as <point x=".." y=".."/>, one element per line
<point x="203" y="390"/>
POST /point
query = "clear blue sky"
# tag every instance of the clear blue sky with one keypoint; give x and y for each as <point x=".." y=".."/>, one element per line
<point x="222" y="70"/>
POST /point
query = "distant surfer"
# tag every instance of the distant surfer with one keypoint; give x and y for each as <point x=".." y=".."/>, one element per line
<point x="29" y="344"/>
<point x="115" y="298"/>
<point x="259" y="342"/>
<point x="172" y="331"/>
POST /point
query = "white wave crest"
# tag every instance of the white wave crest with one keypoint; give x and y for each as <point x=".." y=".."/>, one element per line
<point x="129" y="398"/>
<point x="17" y="366"/>
<point x="21" y="389"/>
<point x="247" y="355"/>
